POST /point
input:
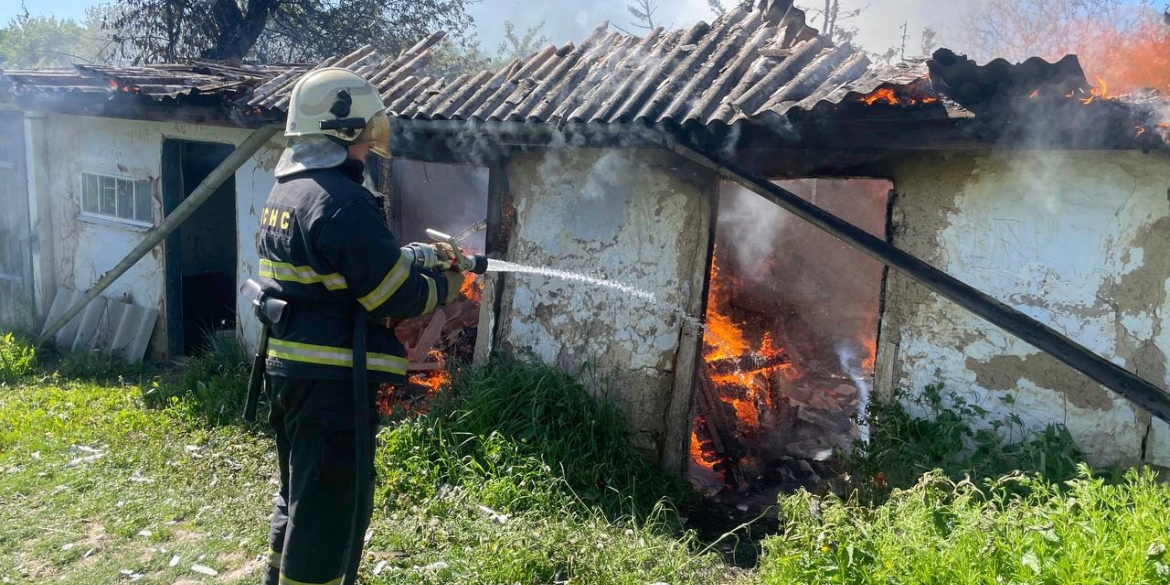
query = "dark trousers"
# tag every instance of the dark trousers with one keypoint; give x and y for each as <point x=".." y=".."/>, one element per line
<point x="311" y="522"/>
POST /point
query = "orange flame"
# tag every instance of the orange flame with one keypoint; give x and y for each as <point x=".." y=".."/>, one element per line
<point x="724" y="339"/>
<point x="891" y="97"/>
<point x="472" y="290"/>
<point x="697" y="454"/>
<point x="433" y="380"/>
<point x="1101" y="90"/>
<point x="869" y="363"/>
<point x="1131" y="60"/>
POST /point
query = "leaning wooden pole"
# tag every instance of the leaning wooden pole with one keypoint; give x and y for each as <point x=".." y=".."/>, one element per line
<point x="202" y="193"/>
<point x="1110" y="375"/>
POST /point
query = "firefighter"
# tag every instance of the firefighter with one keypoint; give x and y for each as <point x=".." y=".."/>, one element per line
<point x="326" y="251"/>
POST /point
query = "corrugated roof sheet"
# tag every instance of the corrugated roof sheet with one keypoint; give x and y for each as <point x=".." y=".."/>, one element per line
<point x="389" y="74"/>
<point x="157" y="82"/>
<point x="750" y="64"/>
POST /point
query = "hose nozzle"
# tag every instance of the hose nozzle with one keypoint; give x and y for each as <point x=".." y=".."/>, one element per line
<point x="474" y="264"/>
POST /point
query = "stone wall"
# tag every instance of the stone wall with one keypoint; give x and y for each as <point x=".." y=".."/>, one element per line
<point x="641" y="217"/>
<point x="1077" y="240"/>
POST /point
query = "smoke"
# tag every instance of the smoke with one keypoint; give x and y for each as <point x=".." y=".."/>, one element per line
<point x="756" y="223"/>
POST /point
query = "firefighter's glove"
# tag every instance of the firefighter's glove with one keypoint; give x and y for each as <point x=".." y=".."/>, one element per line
<point x="454" y="285"/>
<point x="447" y="254"/>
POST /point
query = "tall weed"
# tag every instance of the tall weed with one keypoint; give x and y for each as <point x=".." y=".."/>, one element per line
<point x="956" y="436"/>
<point x="525" y="436"/>
<point x="17" y="358"/>
<point x="212" y="388"/>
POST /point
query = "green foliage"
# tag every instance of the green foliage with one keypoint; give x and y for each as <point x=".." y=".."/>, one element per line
<point x="465" y="55"/>
<point x="46" y="41"/>
<point x="17" y="358"/>
<point x="956" y="436"/>
<point x="98" y="365"/>
<point x="522" y="437"/>
<point x="212" y="388"/>
<point x="280" y="31"/>
<point x="1016" y="529"/>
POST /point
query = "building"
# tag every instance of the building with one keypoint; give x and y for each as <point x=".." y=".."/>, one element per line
<point x="740" y="340"/>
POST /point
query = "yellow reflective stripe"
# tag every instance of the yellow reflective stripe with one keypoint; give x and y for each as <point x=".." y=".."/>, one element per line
<point x="310" y="354"/>
<point x="432" y="295"/>
<point x="286" y="272"/>
<point x="274" y="559"/>
<point x="286" y="581"/>
<point x="380" y="362"/>
<point x="334" y="356"/>
<point x="389" y="285"/>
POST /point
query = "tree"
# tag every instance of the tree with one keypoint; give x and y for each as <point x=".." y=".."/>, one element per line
<point x="716" y="7"/>
<point x="643" y="11"/>
<point x="833" y="21"/>
<point x="46" y="41"/>
<point x="1018" y="29"/>
<point x="277" y="30"/>
<point x="466" y="55"/>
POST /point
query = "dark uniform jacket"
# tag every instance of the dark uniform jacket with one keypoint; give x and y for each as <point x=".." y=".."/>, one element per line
<point x="325" y="248"/>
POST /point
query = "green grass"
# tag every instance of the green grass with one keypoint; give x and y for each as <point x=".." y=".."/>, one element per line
<point x="552" y="494"/>
<point x="1017" y="529"/>
<point x="518" y="476"/>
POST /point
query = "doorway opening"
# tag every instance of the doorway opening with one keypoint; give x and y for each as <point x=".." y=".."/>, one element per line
<point x="201" y="255"/>
<point x="453" y="199"/>
<point x="791" y="339"/>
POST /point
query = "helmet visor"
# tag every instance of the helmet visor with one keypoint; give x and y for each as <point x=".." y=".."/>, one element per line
<point x="377" y="134"/>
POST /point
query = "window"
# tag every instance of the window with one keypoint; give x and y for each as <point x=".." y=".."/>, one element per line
<point x="117" y="198"/>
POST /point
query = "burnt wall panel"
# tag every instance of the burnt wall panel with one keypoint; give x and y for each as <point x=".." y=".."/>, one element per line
<point x="640" y="217"/>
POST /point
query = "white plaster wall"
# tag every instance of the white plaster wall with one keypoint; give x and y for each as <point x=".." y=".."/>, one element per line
<point x="638" y="217"/>
<point x="84" y="251"/>
<point x="1079" y="241"/>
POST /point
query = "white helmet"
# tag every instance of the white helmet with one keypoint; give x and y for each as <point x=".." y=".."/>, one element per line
<point x="338" y="102"/>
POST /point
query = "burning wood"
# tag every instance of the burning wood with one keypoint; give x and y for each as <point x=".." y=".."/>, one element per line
<point x="749" y="364"/>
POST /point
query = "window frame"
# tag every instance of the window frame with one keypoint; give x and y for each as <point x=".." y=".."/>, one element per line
<point x="97" y="216"/>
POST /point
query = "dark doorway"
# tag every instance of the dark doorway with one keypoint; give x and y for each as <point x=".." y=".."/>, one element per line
<point x="201" y="255"/>
<point x="791" y="339"/>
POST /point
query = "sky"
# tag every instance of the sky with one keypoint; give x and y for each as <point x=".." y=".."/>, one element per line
<point x="564" y="20"/>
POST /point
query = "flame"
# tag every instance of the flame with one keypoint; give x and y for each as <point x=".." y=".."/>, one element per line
<point x="1140" y="130"/>
<point x="1101" y="90"/>
<point x="891" y="97"/>
<point x="869" y="363"/>
<point x="433" y="380"/>
<point x="1132" y="60"/>
<point x="113" y="84"/>
<point x="1035" y="94"/>
<point x="884" y="93"/>
<point x="472" y="290"/>
<point x="724" y="339"/>
<point x="697" y="453"/>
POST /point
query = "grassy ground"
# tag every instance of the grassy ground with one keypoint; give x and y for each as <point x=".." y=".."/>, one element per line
<point x="518" y="477"/>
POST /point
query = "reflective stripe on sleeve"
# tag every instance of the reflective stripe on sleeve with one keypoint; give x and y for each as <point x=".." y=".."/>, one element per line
<point x="432" y="295"/>
<point x="389" y="285"/>
<point x="324" y="355"/>
<point x="285" y="272"/>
